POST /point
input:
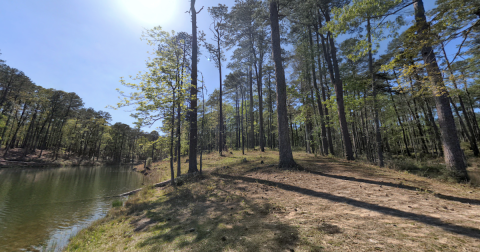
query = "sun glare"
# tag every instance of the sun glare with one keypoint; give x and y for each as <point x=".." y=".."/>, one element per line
<point x="151" y="12"/>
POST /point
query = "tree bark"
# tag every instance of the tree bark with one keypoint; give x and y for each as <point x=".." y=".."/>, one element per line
<point x="252" y="131"/>
<point x="242" y="125"/>
<point x="192" y="161"/>
<point x="285" y="150"/>
<point x="334" y="72"/>
<point x="179" y="139"/>
<point x="172" y="175"/>
<point x="378" y="136"/>
<point x="260" y="106"/>
<point x="454" y="157"/>
<point x="220" y="122"/>
<point x="317" y="93"/>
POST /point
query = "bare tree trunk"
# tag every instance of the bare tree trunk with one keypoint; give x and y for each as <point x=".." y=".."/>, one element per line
<point x="260" y="107"/>
<point x="171" y="139"/>
<point x="317" y="93"/>
<point x="241" y="120"/>
<point x="334" y="72"/>
<point x="220" y="122"/>
<point x="270" y="106"/>
<point x="192" y="165"/>
<point x="285" y="150"/>
<point x="378" y="136"/>
<point x="203" y="127"/>
<point x="454" y="157"/>
<point x="179" y="166"/>
<point x="401" y="126"/>
<point x="327" y="116"/>
<point x="252" y="131"/>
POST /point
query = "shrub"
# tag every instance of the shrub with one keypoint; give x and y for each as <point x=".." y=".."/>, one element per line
<point x="117" y="203"/>
<point x="149" y="162"/>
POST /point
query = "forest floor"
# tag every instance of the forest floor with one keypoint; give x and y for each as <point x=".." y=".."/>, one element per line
<point x="332" y="205"/>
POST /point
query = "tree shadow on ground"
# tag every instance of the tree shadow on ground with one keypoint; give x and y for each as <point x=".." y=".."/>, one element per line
<point x="326" y="167"/>
<point x="211" y="216"/>
<point x="432" y="221"/>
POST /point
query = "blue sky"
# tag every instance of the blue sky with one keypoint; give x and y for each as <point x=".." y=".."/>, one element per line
<point x="85" y="46"/>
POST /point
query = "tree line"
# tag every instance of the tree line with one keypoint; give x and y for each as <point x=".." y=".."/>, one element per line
<point x="37" y="119"/>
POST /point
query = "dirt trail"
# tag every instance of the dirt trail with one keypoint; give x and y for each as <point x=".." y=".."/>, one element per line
<point x="359" y="209"/>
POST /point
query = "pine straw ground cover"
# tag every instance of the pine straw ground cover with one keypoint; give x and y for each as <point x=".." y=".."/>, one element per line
<point x="333" y="205"/>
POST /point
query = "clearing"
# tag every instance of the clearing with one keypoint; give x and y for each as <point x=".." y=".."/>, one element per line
<point x="333" y="205"/>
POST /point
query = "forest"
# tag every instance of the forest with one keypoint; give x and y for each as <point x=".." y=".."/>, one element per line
<point x="327" y="125"/>
<point x="379" y="82"/>
<point x="360" y="80"/>
<point x="35" y="118"/>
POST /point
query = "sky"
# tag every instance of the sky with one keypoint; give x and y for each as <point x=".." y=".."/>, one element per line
<point x="85" y="46"/>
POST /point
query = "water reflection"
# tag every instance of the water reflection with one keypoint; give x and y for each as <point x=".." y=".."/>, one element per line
<point x="43" y="208"/>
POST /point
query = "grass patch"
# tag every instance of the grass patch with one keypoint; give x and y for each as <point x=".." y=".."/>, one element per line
<point x="117" y="203"/>
<point x="430" y="168"/>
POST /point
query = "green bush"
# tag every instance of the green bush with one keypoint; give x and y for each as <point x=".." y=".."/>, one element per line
<point x="427" y="168"/>
<point x="149" y="162"/>
<point x="117" y="203"/>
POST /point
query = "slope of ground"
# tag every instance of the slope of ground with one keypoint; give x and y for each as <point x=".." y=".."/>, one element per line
<point x="332" y="205"/>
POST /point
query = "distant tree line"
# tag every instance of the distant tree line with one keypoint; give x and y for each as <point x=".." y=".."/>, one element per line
<point x="37" y="119"/>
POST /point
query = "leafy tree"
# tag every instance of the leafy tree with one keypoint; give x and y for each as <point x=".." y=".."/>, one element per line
<point x="159" y="90"/>
<point x="351" y="17"/>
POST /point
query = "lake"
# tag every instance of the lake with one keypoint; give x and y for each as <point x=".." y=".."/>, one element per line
<point x="40" y="209"/>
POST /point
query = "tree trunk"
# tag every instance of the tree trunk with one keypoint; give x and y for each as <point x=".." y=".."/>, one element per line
<point x="172" y="175"/>
<point x="317" y="93"/>
<point x="334" y="71"/>
<point x="220" y="120"/>
<point x="454" y="157"/>
<point x="378" y="136"/>
<point x="285" y="150"/>
<point x="260" y="107"/>
<point x="241" y="121"/>
<point x="192" y="161"/>
<point x="179" y="139"/>
<point x="401" y="126"/>
<point x="252" y="131"/>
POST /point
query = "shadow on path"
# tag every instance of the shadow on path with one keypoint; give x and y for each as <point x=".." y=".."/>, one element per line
<point x="382" y="183"/>
<point x="432" y="221"/>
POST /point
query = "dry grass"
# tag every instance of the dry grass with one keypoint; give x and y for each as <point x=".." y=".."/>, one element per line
<point x="332" y="206"/>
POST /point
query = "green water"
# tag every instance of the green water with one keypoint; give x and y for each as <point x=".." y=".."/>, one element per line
<point x="40" y="209"/>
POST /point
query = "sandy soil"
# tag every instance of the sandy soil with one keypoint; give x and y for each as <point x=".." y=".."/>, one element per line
<point x="361" y="209"/>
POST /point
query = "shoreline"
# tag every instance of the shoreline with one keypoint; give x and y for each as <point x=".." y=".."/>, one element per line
<point x="36" y="165"/>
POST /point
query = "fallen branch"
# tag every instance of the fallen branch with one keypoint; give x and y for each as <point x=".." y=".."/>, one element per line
<point x="161" y="184"/>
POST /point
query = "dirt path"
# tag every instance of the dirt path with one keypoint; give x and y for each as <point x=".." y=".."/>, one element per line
<point x="362" y="210"/>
